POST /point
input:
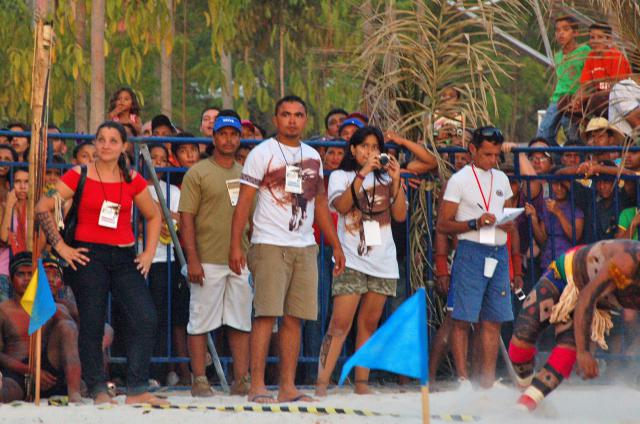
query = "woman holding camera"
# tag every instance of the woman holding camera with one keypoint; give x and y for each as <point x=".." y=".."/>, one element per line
<point x="366" y="192"/>
<point x="103" y="261"/>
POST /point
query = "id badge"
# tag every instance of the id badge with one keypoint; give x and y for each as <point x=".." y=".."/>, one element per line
<point x="293" y="182"/>
<point x="109" y="214"/>
<point x="233" y="188"/>
<point x="372" y="235"/>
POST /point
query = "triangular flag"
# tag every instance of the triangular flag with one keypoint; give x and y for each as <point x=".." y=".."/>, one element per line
<point x="400" y="345"/>
<point x="37" y="299"/>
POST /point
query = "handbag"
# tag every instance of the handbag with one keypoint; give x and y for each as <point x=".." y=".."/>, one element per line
<point x="71" y="220"/>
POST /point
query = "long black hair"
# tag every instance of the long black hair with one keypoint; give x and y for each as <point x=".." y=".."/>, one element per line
<point x="122" y="160"/>
<point x="349" y="162"/>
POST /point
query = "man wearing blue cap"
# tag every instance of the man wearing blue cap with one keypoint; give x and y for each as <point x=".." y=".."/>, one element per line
<point x="349" y="127"/>
<point x="218" y="296"/>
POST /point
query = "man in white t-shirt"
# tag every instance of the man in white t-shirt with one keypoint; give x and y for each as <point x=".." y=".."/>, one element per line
<point x="473" y="201"/>
<point x="624" y="105"/>
<point x="286" y="176"/>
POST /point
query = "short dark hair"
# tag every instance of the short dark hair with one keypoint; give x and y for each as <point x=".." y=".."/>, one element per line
<point x="291" y="98"/>
<point x="538" y="140"/>
<point x="11" y="150"/>
<point x="487" y="133"/>
<point x="24" y="258"/>
<point x="571" y="20"/>
<point x="602" y="26"/>
<point x="20" y="125"/>
<point x="176" y="146"/>
<point x="208" y="108"/>
<point x="334" y="111"/>
<point x="53" y="127"/>
<point x="80" y="146"/>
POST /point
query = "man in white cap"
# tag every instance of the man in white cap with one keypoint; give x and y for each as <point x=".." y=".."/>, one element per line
<point x="599" y="133"/>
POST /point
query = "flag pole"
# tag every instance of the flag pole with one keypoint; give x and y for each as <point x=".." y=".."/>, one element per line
<point x="37" y="166"/>
<point x="426" y="414"/>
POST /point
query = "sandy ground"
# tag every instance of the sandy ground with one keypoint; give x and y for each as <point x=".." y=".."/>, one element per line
<point x="572" y="403"/>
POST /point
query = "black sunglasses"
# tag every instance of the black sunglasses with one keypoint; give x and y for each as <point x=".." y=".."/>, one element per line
<point x="489" y="133"/>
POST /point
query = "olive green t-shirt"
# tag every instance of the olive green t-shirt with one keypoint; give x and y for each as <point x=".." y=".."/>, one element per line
<point x="204" y="193"/>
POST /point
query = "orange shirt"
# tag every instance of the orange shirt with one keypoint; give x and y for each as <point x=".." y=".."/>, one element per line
<point x="601" y="68"/>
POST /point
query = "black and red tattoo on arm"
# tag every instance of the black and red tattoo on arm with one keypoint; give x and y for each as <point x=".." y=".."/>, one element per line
<point x="49" y="228"/>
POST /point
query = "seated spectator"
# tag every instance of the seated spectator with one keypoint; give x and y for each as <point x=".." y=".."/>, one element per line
<point x="60" y="360"/>
<point x="248" y="130"/>
<point x="560" y="225"/>
<point x="125" y="108"/>
<point x="14" y="222"/>
<point x="332" y="122"/>
<point x="84" y="153"/>
<point x="5" y="139"/>
<point x="242" y="153"/>
<point x="59" y="145"/>
<point x="187" y="154"/>
<point x="624" y="105"/>
<point x="568" y="63"/>
<point x="605" y="66"/>
<point x="20" y="143"/>
<point x="207" y="118"/>
<point x="348" y="127"/>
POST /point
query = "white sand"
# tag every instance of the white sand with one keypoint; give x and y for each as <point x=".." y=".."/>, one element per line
<point x="570" y="404"/>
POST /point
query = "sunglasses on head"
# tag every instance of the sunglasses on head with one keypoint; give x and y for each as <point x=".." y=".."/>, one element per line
<point x="489" y="133"/>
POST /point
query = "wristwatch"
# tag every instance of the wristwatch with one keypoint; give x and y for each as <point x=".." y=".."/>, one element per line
<point x="473" y="224"/>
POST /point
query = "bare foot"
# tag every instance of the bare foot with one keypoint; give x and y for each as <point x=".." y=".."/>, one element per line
<point x="146" y="397"/>
<point x="103" y="398"/>
<point x="74" y="397"/>
<point x="294" y="396"/>
<point x="362" y="389"/>
<point x="321" y="389"/>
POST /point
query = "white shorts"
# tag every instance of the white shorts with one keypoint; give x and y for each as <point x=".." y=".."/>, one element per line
<point x="225" y="298"/>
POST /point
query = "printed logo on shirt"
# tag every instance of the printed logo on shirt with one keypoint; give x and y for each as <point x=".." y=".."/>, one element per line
<point x="274" y="181"/>
<point x="499" y="193"/>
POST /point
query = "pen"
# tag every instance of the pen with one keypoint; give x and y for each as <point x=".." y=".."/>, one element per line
<point x="480" y="206"/>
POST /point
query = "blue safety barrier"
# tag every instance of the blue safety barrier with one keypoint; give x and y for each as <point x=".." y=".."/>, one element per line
<point x="170" y="174"/>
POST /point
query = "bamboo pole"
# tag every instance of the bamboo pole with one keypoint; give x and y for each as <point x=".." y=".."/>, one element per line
<point x="426" y="413"/>
<point x="37" y="164"/>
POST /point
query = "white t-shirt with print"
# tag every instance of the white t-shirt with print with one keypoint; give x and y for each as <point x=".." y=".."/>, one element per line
<point x="173" y="202"/>
<point x="462" y="188"/>
<point x="378" y="261"/>
<point x="282" y="218"/>
<point x="624" y="98"/>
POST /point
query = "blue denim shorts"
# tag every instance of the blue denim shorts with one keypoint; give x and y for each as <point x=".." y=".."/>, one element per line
<point x="476" y="297"/>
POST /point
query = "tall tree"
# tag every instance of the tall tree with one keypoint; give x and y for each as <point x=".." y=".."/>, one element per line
<point x="97" y="113"/>
<point x="166" y="63"/>
<point x="81" y="113"/>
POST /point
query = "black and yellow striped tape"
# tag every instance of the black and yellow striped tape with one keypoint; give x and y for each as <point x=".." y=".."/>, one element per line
<point x="318" y="410"/>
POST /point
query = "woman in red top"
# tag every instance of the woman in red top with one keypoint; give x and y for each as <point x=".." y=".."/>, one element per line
<point x="103" y="260"/>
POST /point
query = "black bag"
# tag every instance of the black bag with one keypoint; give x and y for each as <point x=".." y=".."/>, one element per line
<point x="71" y="220"/>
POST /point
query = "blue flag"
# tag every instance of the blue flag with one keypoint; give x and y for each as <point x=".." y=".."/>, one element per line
<point x="400" y="345"/>
<point x="37" y="299"/>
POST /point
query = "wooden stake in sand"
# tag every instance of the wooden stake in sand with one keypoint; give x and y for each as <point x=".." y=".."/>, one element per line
<point x="37" y="168"/>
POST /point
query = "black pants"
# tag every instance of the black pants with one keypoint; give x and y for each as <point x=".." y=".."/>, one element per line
<point x="112" y="269"/>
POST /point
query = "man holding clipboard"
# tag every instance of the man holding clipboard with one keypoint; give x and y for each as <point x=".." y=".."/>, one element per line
<point x="473" y="202"/>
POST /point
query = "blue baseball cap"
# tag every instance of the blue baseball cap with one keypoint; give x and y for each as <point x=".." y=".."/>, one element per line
<point x="227" y="121"/>
<point x="351" y="121"/>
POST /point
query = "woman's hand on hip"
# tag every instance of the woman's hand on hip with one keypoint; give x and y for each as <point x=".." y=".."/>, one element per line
<point x="143" y="262"/>
<point x="72" y="256"/>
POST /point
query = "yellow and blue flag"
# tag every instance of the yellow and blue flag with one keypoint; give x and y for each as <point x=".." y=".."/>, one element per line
<point x="399" y="345"/>
<point x="37" y="300"/>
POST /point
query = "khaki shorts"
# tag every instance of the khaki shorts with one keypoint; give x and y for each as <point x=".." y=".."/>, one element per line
<point x="285" y="280"/>
<point x="356" y="282"/>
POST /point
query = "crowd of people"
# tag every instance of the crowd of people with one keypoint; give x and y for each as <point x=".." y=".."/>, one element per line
<point x="252" y="217"/>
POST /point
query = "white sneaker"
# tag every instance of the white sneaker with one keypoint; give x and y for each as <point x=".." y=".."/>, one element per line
<point x="172" y="378"/>
<point x="464" y="385"/>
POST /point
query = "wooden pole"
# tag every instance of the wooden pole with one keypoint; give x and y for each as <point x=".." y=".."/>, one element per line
<point x="37" y="165"/>
<point x="426" y="414"/>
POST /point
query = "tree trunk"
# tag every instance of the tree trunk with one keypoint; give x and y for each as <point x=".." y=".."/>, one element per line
<point x="184" y="65"/>
<point x="165" y="69"/>
<point x="97" y="64"/>
<point x="227" y="87"/>
<point x="80" y="100"/>
<point x="281" y="73"/>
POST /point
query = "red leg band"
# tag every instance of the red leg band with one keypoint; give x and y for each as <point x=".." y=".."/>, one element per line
<point x="562" y="360"/>
<point x="519" y="355"/>
<point x="528" y="402"/>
